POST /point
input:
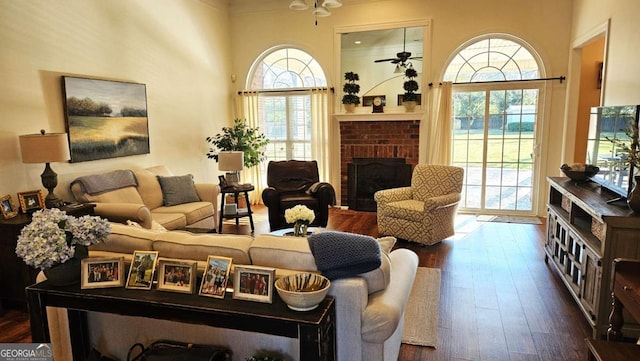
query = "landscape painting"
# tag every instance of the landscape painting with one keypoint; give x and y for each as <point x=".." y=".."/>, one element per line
<point x="105" y="119"/>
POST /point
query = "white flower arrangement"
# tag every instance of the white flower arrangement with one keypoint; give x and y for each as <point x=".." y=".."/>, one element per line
<point x="299" y="213"/>
<point x="52" y="236"/>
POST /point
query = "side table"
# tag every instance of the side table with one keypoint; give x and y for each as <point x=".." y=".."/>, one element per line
<point x="16" y="275"/>
<point x="236" y="190"/>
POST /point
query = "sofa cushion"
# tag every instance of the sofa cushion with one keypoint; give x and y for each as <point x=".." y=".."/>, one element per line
<point x="126" y="239"/>
<point x="178" y="190"/>
<point x="194" y="211"/>
<point x="282" y="252"/>
<point x="186" y="245"/>
<point x="170" y="221"/>
<point x="149" y="188"/>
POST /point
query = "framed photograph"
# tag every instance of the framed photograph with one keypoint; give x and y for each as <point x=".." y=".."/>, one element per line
<point x="253" y="283"/>
<point x="143" y="266"/>
<point x="367" y="101"/>
<point x="7" y="208"/>
<point x="177" y="275"/>
<point x="215" y="277"/>
<point x="223" y="181"/>
<point x="31" y="201"/>
<point x="105" y="119"/>
<point x="418" y="100"/>
<point x="102" y="272"/>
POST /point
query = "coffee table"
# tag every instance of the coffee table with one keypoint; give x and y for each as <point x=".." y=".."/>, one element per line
<point x="289" y="231"/>
<point x="315" y="329"/>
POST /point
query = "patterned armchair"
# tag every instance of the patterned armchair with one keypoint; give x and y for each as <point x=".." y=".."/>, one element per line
<point x="423" y="212"/>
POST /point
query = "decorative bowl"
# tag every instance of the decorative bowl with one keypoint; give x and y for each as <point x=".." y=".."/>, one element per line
<point x="303" y="291"/>
<point x="581" y="173"/>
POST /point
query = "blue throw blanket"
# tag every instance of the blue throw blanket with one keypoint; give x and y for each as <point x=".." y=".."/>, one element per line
<point x="341" y="254"/>
<point x="100" y="183"/>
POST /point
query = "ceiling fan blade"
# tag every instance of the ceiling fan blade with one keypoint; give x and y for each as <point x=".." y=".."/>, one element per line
<point x="383" y="60"/>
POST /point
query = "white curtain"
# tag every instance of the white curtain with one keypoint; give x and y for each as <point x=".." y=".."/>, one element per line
<point x="247" y="108"/>
<point x="439" y="126"/>
<point x="320" y="132"/>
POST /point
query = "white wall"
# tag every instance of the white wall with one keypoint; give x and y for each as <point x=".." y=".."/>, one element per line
<point x="177" y="48"/>
<point x="544" y="24"/>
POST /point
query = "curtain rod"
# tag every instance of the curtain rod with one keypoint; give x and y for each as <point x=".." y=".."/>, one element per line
<point x="561" y="78"/>
<point x="282" y="90"/>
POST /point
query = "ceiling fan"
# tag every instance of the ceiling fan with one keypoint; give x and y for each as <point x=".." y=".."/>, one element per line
<point x="401" y="57"/>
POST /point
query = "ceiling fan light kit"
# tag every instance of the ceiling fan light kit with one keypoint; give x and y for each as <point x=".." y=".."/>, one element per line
<point x="401" y="59"/>
<point x="298" y="5"/>
<point x="318" y="10"/>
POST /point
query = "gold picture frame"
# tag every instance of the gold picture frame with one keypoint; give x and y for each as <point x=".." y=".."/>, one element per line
<point x="31" y="201"/>
<point x="7" y="208"/>
<point x="142" y="270"/>
<point x="253" y="283"/>
<point x="102" y="272"/>
<point x="215" y="276"/>
<point x="177" y="275"/>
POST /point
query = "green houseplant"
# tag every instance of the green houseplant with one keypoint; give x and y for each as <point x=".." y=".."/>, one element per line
<point x="350" y="99"/>
<point x="410" y="98"/>
<point x="239" y="137"/>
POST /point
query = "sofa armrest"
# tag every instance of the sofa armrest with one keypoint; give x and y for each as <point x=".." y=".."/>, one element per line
<point x="122" y="212"/>
<point x="270" y="197"/>
<point x="393" y="195"/>
<point x="386" y="308"/>
<point x="446" y="200"/>
<point x="351" y="297"/>
<point x="208" y="192"/>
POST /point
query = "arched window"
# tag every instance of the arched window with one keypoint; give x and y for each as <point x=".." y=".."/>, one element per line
<point x="495" y="110"/>
<point x="286" y="80"/>
<point x="287" y="68"/>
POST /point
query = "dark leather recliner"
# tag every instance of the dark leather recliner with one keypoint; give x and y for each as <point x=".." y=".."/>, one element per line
<point x="293" y="182"/>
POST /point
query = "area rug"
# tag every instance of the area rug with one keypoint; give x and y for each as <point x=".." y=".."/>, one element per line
<point x="509" y="219"/>
<point x="421" y="314"/>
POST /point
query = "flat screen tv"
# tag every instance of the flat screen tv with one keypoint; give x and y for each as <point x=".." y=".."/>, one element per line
<point x="611" y="122"/>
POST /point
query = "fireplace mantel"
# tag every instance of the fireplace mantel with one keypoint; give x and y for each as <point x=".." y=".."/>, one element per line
<point x="385" y="117"/>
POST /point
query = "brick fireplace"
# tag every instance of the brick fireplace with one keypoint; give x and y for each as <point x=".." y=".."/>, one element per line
<point x="376" y="139"/>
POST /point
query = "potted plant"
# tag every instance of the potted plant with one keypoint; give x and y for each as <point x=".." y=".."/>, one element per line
<point x="56" y="242"/>
<point x="239" y="137"/>
<point x="410" y="98"/>
<point x="350" y="99"/>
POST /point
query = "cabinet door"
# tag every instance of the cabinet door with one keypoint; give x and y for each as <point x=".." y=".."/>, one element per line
<point x="592" y="277"/>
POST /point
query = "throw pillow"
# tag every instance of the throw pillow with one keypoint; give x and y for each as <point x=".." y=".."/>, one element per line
<point x="386" y="244"/>
<point x="178" y="190"/>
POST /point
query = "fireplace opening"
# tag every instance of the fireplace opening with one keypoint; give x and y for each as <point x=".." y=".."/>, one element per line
<point x="366" y="176"/>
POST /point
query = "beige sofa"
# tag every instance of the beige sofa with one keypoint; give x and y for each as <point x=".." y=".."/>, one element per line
<point x="369" y="307"/>
<point x="145" y="202"/>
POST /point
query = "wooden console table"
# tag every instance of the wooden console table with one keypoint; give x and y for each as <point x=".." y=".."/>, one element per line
<point x="315" y="330"/>
<point x="585" y="234"/>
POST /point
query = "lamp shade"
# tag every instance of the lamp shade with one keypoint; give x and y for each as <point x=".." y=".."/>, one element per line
<point x="231" y="161"/>
<point x="44" y="148"/>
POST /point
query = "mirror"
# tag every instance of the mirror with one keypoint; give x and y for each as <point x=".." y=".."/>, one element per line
<point x="380" y="58"/>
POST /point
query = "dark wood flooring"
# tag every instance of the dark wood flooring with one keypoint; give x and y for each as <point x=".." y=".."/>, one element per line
<point x="499" y="300"/>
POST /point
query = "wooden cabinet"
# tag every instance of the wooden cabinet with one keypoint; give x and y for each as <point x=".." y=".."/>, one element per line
<point x="15" y="275"/>
<point x="584" y="235"/>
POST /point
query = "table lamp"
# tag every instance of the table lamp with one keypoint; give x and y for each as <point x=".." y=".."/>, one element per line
<point x="46" y="148"/>
<point x="231" y="162"/>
